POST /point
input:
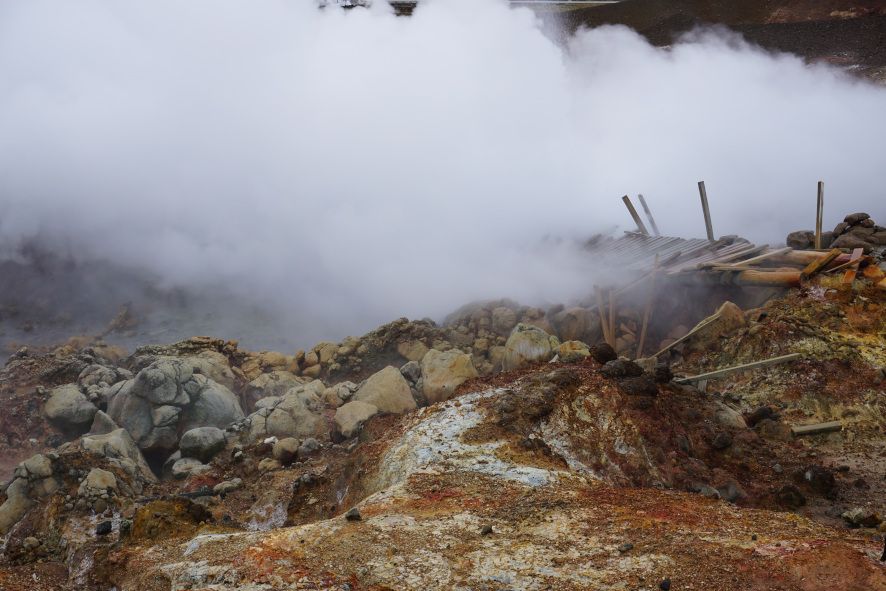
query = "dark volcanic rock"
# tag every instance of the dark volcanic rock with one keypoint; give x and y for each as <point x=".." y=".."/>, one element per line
<point x="620" y="368"/>
<point x="854" y="218"/>
<point x="790" y="496"/>
<point x="638" y="386"/>
<point x="603" y="353"/>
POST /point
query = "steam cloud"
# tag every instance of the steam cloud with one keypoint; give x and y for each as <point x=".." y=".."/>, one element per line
<point x="352" y="167"/>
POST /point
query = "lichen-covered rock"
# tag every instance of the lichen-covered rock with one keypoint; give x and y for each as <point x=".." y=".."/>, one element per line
<point x="388" y="391"/>
<point x="69" y="408"/>
<point x="444" y="371"/>
<point x="528" y="344"/>
<point x="572" y="351"/>
<point x="275" y="383"/>
<point x="351" y="416"/>
<point x="96" y="483"/>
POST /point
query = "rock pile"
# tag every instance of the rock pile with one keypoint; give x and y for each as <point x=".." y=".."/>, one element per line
<point x="857" y="230"/>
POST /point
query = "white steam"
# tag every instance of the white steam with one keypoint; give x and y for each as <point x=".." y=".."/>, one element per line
<point x="354" y="166"/>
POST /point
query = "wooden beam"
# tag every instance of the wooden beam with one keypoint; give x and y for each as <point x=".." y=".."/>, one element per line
<point x="604" y="322"/>
<point x="773" y="278"/>
<point x="649" y="215"/>
<point x="819" y="213"/>
<point x="798" y="430"/>
<point x="640" y="225"/>
<point x="854" y="260"/>
<point x="816" y="266"/>
<point x="647" y="312"/>
<point x="745" y="366"/>
<point x="706" y="210"/>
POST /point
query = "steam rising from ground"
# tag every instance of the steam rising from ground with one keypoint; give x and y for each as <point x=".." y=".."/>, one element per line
<point x="352" y="167"/>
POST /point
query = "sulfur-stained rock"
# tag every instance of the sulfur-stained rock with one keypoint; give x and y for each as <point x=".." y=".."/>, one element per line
<point x="388" y="391"/>
<point x="444" y="371"/>
<point x="351" y="416"/>
<point x="572" y="351"/>
<point x="96" y="483"/>
<point x="528" y="344"/>
<point x="412" y="350"/>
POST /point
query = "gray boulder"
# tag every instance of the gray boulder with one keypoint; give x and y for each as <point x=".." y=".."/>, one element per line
<point x="187" y="467"/>
<point x="202" y="443"/>
<point x="119" y="447"/>
<point x="296" y="414"/>
<point x="166" y="399"/>
<point x="444" y="371"/>
<point x="68" y="408"/>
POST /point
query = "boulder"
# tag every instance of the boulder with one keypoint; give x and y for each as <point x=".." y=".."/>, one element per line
<point x="275" y="383"/>
<point x="297" y="414"/>
<point x="16" y="505"/>
<point x="503" y="320"/>
<point x="388" y="391"/>
<point x="102" y="424"/>
<point x="167" y="399"/>
<point x="351" y="416"/>
<point x="411" y="371"/>
<point x="444" y="371"/>
<point x="119" y="447"/>
<point x="573" y="351"/>
<point x="412" y="350"/>
<point x="227" y="486"/>
<point x="801" y="239"/>
<point x="729" y="318"/>
<point x="95" y="374"/>
<point x="576" y="324"/>
<point x="202" y="443"/>
<point x="285" y="450"/>
<point x="68" y="408"/>
<point x="528" y="344"/>
<point x="97" y="483"/>
<point x="855" y="218"/>
<point x="187" y="467"/>
<point x="852" y="240"/>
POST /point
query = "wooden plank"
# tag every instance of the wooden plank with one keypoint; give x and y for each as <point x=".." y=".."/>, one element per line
<point x="706" y="211"/>
<point x="815" y="266"/>
<point x="745" y="366"/>
<point x="647" y="312"/>
<point x="640" y="225"/>
<point x="764" y="256"/>
<point x="604" y="322"/>
<point x="828" y="427"/>
<point x="649" y="215"/>
<point x="849" y="275"/>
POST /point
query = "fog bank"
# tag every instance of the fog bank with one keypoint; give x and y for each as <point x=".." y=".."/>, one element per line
<point x="349" y="167"/>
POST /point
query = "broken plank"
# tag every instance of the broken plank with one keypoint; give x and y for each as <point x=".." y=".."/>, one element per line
<point x="816" y="266"/>
<point x="698" y="327"/>
<point x="773" y="278"/>
<point x="828" y="427"/>
<point x="855" y="259"/>
<point x="728" y="370"/>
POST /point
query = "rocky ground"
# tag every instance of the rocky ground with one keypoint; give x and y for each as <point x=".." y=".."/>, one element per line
<point x="506" y="448"/>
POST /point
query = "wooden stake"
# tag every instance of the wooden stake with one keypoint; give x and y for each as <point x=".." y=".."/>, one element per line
<point x="745" y="366"/>
<point x="649" y="215"/>
<point x="604" y="322"/>
<point x="697" y="328"/>
<point x="819" y="213"/>
<point x="640" y="225"/>
<point x="648" y="311"/>
<point x="706" y="210"/>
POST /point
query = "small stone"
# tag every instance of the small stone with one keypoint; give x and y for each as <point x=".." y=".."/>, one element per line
<point x="485" y="530"/>
<point x="103" y="528"/>
<point x="353" y="514"/>
<point x="754" y="537"/>
<point x="665" y="585"/>
<point x="30" y="543"/>
<point x="627" y="547"/>
<point x="100" y="506"/>
<point x="721" y="441"/>
<point x="602" y="353"/>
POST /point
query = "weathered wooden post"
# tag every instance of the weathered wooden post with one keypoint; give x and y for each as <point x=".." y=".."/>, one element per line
<point x="819" y="214"/>
<point x="706" y="210"/>
<point x="640" y="225"/>
<point x="649" y="215"/>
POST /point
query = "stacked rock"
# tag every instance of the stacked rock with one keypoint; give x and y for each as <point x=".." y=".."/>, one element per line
<point x="857" y="230"/>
